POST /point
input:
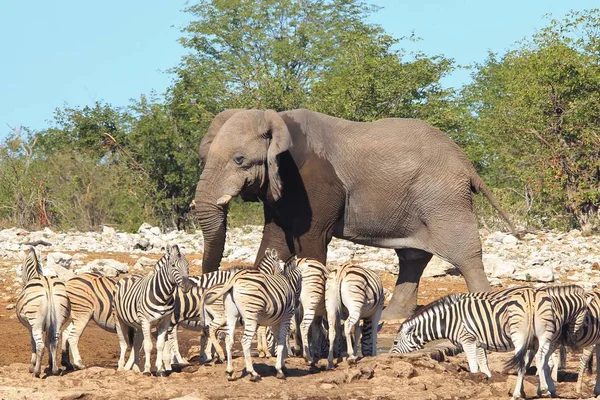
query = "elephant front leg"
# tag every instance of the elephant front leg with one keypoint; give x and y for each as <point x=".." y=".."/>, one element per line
<point x="404" y="299"/>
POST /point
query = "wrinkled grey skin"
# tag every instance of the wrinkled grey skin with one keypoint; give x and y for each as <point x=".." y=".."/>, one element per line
<point x="395" y="183"/>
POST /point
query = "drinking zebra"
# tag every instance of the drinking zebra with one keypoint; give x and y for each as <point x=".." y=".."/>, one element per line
<point x="42" y="307"/>
<point x="144" y="303"/>
<point x="501" y="321"/>
<point x="259" y="298"/>
<point x="353" y="293"/>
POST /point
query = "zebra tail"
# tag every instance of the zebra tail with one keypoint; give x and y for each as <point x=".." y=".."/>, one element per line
<point x="226" y="288"/>
<point x="50" y="317"/>
<point x="520" y="360"/>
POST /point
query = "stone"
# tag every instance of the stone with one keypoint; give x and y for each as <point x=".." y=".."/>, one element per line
<point x="10" y="306"/>
<point x="404" y="369"/>
<point x="326" y="386"/>
<point x="108" y="231"/>
<point x="375" y="265"/>
<point x="144" y="227"/>
<point x="143" y="244"/>
<point x="539" y="274"/>
<point x="61" y="259"/>
<point x="509" y="239"/>
<point x="106" y="267"/>
<point x="496" y="267"/>
<point x="144" y="263"/>
<point x="437" y="267"/>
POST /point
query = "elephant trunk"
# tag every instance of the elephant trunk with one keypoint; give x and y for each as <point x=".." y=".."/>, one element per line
<point x="213" y="221"/>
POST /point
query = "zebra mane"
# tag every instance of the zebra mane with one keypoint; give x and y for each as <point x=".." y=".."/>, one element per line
<point x="235" y="268"/>
<point x="161" y="262"/>
<point x="31" y="267"/>
<point x="564" y="289"/>
<point x="442" y="303"/>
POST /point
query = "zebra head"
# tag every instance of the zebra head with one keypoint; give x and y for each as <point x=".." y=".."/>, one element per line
<point x="271" y="263"/>
<point x="407" y="339"/>
<point x="31" y="267"/>
<point x="178" y="268"/>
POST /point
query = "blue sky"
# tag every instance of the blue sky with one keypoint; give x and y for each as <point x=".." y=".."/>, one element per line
<point x="76" y="52"/>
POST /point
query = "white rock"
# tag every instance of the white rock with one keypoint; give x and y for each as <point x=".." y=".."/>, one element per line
<point x="539" y="274"/>
<point x="155" y="230"/>
<point x="143" y="263"/>
<point x="496" y="267"/>
<point x="509" y="239"/>
<point x="437" y="267"/>
<point x="242" y="254"/>
<point x="106" y="267"/>
<point x="10" y="306"/>
<point x="61" y="259"/>
<point x="108" y="231"/>
<point x="375" y="265"/>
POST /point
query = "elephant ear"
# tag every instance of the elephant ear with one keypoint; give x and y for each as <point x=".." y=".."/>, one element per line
<point x="212" y="131"/>
<point x="281" y="141"/>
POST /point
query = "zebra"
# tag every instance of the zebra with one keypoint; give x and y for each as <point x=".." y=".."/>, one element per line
<point x="560" y="314"/>
<point x="356" y="293"/>
<point x="588" y="338"/>
<point x="498" y="321"/>
<point x="311" y="296"/>
<point x="143" y="303"/>
<point x="188" y="312"/>
<point x="42" y="306"/>
<point x="91" y="296"/>
<point x="259" y="298"/>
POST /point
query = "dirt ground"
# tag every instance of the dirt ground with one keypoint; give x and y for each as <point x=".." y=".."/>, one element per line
<point x="416" y="376"/>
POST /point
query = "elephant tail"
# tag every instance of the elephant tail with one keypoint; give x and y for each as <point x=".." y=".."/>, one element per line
<point x="479" y="186"/>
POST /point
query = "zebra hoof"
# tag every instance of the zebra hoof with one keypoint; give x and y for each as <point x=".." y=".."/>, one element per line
<point x="351" y="361"/>
<point x="77" y="367"/>
<point x="146" y="373"/>
<point x="31" y="369"/>
<point x="161" y="374"/>
<point x="262" y="354"/>
<point x="230" y="376"/>
<point x="256" y="377"/>
<point x="36" y="374"/>
<point x="218" y="361"/>
<point x="330" y="366"/>
<point x="280" y="375"/>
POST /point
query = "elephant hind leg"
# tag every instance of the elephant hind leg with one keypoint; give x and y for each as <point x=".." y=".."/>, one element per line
<point x="404" y="299"/>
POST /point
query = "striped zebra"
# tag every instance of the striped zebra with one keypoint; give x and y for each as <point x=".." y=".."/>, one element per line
<point x="42" y="307"/>
<point x="588" y="338"/>
<point x="560" y="314"/>
<point x="313" y="277"/>
<point x="91" y="296"/>
<point x="498" y="321"/>
<point x="189" y="314"/>
<point x="353" y="293"/>
<point x="259" y="298"/>
<point x="144" y="303"/>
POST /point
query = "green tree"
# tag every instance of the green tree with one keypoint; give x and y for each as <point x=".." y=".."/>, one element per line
<point x="537" y="115"/>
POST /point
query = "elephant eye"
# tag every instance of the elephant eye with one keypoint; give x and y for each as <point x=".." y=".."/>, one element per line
<point x="238" y="159"/>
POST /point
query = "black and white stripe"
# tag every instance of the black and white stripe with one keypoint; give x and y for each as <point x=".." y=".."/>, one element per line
<point x="42" y="307"/>
<point x="91" y="296"/>
<point x="144" y="303"/>
<point x="353" y="293"/>
<point x="259" y="299"/>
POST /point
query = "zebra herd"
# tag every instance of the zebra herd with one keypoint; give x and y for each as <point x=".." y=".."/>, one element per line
<point x="532" y="322"/>
<point x="303" y="296"/>
<point x="271" y="300"/>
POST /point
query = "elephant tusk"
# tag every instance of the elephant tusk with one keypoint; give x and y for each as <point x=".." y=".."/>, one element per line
<point x="224" y="200"/>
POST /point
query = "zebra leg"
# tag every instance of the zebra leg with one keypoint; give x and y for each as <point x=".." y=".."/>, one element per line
<point x="147" y="330"/>
<point x="542" y="359"/>
<point x="332" y="321"/>
<point x="134" y="355"/>
<point x="351" y="326"/>
<point x="473" y="353"/>
<point x="597" y="385"/>
<point x="250" y="328"/>
<point x="160" y="346"/>
<point x="213" y="341"/>
<point x="282" y="335"/>
<point x="33" y="351"/>
<point x="307" y="320"/>
<point x="583" y="361"/>
<point x="64" y="359"/>
<point x="39" y="351"/>
<point x="231" y="322"/>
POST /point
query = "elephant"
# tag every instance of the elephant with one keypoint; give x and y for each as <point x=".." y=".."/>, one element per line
<point x="393" y="183"/>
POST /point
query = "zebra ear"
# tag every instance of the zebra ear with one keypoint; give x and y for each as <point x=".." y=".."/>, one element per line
<point x="274" y="253"/>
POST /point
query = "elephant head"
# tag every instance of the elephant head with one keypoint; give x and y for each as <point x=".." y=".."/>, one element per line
<point x="240" y="154"/>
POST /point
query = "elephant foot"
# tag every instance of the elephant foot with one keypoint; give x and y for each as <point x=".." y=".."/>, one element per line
<point x="395" y="312"/>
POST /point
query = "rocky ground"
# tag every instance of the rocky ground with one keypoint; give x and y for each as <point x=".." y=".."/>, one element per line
<point x="539" y="258"/>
